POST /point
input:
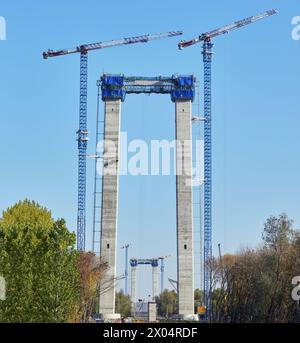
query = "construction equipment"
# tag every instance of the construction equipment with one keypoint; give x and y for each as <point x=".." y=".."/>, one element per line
<point x="221" y="260"/>
<point x="207" y="36"/>
<point x="126" y="247"/>
<point x="220" y="255"/>
<point x="162" y="271"/>
<point x="174" y="284"/>
<point x="207" y="59"/>
<point x="153" y="262"/>
<point x="112" y="87"/>
<point x="83" y="132"/>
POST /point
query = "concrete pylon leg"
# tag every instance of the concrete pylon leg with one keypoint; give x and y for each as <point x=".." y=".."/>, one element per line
<point x="185" y="254"/>
<point x="133" y="289"/>
<point x="155" y="282"/>
<point x="110" y="204"/>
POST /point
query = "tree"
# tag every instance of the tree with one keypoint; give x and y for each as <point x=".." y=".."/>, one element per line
<point x="255" y="284"/>
<point x="167" y="303"/>
<point x="199" y="297"/>
<point x="38" y="262"/>
<point x="123" y="304"/>
<point x="91" y="270"/>
<point x="277" y="233"/>
<point x="277" y="237"/>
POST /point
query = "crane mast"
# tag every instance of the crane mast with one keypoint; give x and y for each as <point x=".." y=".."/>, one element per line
<point x="82" y="131"/>
<point x="82" y="152"/>
<point x="207" y="220"/>
<point x="162" y="272"/>
<point x="126" y="248"/>
<point x="207" y="60"/>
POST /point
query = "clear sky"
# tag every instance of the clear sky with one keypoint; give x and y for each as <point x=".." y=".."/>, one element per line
<point x="255" y="113"/>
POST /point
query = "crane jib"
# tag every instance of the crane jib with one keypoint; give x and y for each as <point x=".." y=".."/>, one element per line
<point x="226" y="29"/>
<point x="236" y="25"/>
<point x="109" y="44"/>
<point x="133" y="40"/>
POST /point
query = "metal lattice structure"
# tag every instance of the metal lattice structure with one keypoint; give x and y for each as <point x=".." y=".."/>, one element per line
<point x="82" y="149"/>
<point x="207" y="60"/>
<point x="126" y="247"/>
<point x="82" y="132"/>
<point x="162" y="272"/>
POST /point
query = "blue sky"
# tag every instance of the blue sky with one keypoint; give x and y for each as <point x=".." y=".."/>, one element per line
<point x="255" y="113"/>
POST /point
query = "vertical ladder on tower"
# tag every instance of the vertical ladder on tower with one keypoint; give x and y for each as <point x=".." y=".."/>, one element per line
<point x="197" y="134"/>
<point x="98" y="177"/>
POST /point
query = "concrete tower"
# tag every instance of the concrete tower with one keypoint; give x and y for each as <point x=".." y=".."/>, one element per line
<point x="155" y="279"/>
<point x="133" y="287"/>
<point x="110" y="205"/>
<point x="114" y="89"/>
<point x="185" y="255"/>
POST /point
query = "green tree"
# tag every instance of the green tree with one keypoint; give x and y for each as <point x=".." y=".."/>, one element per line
<point x="277" y="237"/>
<point x="167" y="303"/>
<point x="38" y="261"/>
<point x="91" y="270"/>
<point x="277" y="233"/>
<point x="199" y="297"/>
<point x="123" y="304"/>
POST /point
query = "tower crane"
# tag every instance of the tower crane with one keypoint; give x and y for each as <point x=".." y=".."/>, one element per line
<point x="126" y="248"/>
<point x="83" y="132"/>
<point x="221" y="259"/>
<point x="162" y="271"/>
<point x="174" y="284"/>
<point x="207" y="53"/>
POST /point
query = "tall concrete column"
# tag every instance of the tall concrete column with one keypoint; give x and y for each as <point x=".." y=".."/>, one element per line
<point x="185" y="254"/>
<point x="110" y="204"/>
<point x="155" y="281"/>
<point x="133" y="288"/>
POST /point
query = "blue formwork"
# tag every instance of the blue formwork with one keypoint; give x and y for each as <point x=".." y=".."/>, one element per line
<point x="183" y="94"/>
<point x="113" y="94"/>
<point x="184" y="88"/>
<point x="154" y="263"/>
<point x="184" y="81"/>
<point x="133" y="263"/>
<point x="117" y="86"/>
<point x="113" y="80"/>
<point x="112" y="87"/>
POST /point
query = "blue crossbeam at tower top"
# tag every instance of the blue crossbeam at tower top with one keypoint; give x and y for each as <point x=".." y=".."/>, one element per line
<point x="115" y="87"/>
<point x="135" y="262"/>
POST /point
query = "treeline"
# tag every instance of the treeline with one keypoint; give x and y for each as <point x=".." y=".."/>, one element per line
<point x="255" y="285"/>
<point x="47" y="280"/>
